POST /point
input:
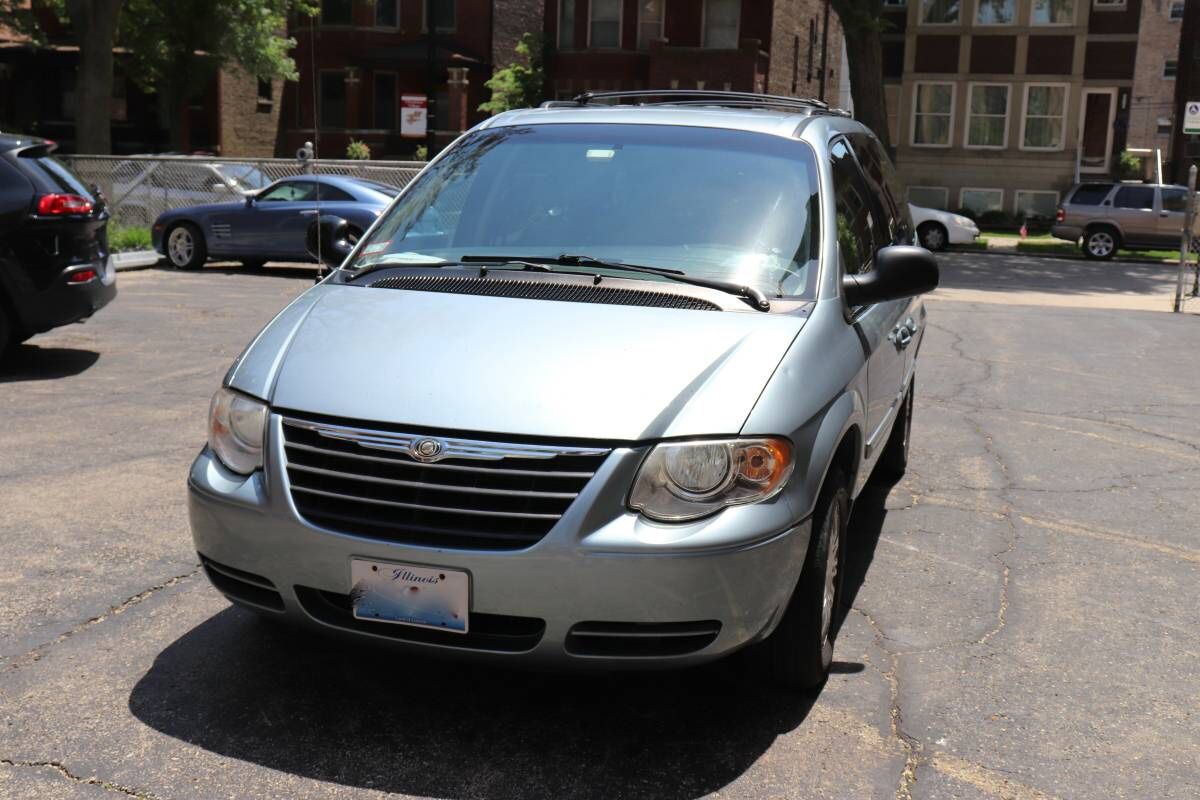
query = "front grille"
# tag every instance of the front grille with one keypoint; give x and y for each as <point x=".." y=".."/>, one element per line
<point x="497" y="633"/>
<point x="640" y="639"/>
<point x="569" y="292"/>
<point x="477" y="496"/>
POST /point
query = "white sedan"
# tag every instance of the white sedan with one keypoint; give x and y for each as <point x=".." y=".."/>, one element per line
<point x="936" y="229"/>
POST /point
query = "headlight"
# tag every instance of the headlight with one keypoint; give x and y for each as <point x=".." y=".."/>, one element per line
<point x="236" y="426"/>
<point x="966" y="222"/>
<point x="686" y="480"/>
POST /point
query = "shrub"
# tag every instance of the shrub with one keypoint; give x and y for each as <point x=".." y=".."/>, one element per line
<point x="122" y="238"/>
<point x="358" y="151"/>
<point x="1129" y="166"/>
<point x="421" y="153"/>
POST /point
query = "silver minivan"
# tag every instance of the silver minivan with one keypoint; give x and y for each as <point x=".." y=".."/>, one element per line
<point x="1105" y="216"/>
<point x="599" y="389"/>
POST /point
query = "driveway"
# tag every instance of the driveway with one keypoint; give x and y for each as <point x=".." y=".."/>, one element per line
<point x="1021" y="619"/>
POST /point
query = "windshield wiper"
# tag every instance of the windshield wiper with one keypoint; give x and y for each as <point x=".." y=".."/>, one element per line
<point x="750" y="294"/>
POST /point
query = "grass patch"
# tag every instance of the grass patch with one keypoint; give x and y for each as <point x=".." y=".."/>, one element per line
<point x="123" y="238"/>
<point x="978" y="244"/>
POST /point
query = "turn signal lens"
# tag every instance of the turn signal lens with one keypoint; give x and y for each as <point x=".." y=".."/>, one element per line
<point x="236" y="428"/>
<point x="55" y="204"/>
<point x="686" y="480"/>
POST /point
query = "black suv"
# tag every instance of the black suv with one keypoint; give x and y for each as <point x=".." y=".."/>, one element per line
<point x="54" y="264"/>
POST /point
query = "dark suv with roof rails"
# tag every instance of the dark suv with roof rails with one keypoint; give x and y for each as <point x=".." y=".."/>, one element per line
<point x="54" y="261"/>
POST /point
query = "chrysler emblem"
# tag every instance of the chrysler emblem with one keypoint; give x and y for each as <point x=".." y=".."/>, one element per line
<point x="427" y="449"/>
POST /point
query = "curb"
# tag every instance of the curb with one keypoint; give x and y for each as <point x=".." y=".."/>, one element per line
<point x="1012" y="251"/>
<point x="134" y="259"/>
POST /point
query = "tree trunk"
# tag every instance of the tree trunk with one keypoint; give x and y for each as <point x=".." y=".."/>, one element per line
<point x="95" y="26"/>
<point x="865" y="53"/>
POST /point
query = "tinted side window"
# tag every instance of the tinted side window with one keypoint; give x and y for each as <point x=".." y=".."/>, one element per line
<point x="326" y="192"/>
<point x="859" y="231"/>
<point x="1139" y="197"/>
<point x="1174" y="199"/>
<point x="882" y="178"/>
<point x="1091" y="194"/>
<point x="290" y="191"/>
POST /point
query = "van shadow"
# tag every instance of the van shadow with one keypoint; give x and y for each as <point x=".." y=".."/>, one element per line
<point x="31" y="362"/>
<point x="363" y="716"/>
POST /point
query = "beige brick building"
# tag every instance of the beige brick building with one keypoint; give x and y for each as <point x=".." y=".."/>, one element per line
<point x="249" y="114"/>
<point x="1150" y="117"/>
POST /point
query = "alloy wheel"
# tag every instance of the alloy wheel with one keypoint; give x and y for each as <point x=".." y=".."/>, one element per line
<point x="1101" y="244"/>
<point x="934" y="239"/>
<point x="834" y="521"/>
<point x="180" y="247"/>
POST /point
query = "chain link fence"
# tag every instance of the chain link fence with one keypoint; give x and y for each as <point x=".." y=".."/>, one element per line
<point x="139" y="188"/>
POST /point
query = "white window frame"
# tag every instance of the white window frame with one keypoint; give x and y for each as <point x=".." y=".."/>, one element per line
<point x="1074" y="16"/>
<point x="912" y="123"/>
<point x="1062" y="139"/>
<point x="1007" y="116"/>
<point x="704" y="25"/>
<point x="1171" y="6"/>
<point x="945" y="190"/>
<point x="922" y="23"/>
<point x="662" y="26"/>
<point x="1016" y="206"/>
<point x="620" y="27"/>
<point x="395" y="4"/>
<point x="965" y="189"/>
<point x="1016" y="7"/>
<point x="1108" y="5"/>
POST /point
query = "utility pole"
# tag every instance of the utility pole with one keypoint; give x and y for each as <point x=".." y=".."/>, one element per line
<point x="1185" y="148"/>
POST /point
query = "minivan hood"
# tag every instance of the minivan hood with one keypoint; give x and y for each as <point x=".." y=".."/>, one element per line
<point x="497" y="365"/>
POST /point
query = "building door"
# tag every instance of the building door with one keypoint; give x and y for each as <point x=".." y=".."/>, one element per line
<point x="1096" y="129"/>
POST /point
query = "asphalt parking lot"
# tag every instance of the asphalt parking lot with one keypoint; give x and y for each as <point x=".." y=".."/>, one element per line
<point x="1021" y="623"/>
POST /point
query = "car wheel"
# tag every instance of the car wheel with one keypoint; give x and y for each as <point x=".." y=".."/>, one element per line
<point x="933" y="236"/>
<point x="799" y="651"/>
<point x="1101" y="243"/>
<point x="185" y="246"/>
<point x="893" y="461"/>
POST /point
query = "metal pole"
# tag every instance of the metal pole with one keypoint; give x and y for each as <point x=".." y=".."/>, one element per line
<point x="1185" y="238"/>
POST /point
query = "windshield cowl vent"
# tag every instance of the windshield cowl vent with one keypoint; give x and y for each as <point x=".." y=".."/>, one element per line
<point x="544" y="290"/>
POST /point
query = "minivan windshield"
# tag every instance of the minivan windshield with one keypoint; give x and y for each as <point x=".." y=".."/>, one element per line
<point x="716" y="204"/>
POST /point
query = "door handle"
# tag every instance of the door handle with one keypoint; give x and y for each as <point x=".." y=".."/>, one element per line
<point x="900" y="336"/>
<point x="309" y="212"/>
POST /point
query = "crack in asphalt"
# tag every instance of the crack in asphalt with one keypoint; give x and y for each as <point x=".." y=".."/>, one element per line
<point x="62" y="770"/>
<point x="35" y="654"/>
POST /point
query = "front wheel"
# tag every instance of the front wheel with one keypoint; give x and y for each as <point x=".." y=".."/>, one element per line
<point x="186" y="248"/>
<point x="932" y="236"/>
<point x="798" y="653"/>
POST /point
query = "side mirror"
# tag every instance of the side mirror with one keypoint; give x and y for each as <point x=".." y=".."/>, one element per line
<point x="249" y="201"/>
<point x="900" y="271"/>
<point x="328" y="240"/>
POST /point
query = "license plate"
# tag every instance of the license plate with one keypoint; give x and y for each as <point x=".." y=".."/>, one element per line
<point x="408" y="594"/>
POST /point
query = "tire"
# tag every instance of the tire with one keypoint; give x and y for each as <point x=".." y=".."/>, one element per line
<point x="799" y="651"/>
<point x="1101" y="243"/>
<point x="933" y="236"/>
<point x="185" y="246"/>
<point x="893" y="461"/>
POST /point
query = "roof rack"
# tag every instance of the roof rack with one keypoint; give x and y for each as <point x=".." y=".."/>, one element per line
<point x="699" y="97"/>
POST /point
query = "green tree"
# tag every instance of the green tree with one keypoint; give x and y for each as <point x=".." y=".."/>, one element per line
<point x="862" y="23"/>
<point x="521" y="84"/>
<point x="176" y="45"/>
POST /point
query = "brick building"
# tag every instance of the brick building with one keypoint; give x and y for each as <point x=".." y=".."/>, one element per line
<point x="787" y="47"/>
<point x="1150" y="115"/>
<point x="999" y="105"/>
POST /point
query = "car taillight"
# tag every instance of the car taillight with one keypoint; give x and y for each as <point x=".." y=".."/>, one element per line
<point x="54" y="204"/>
<point x="82" y="276"/>
<point x="1060" y="215"/>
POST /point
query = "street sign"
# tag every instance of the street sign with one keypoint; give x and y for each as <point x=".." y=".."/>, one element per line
<point x="1191" y="117"/>
<point x="413" y="112"/>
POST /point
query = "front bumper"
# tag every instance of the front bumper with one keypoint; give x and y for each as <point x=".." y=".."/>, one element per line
<point x="599" y="564"/>
<point x="960" y="234"/>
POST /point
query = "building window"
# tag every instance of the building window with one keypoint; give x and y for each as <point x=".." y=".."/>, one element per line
<point x="1053" y="12"/>
<point x="604" y="26"/>
<point x="895" y="3"/>
<point x="939" y="12"/>
<point x="929" y="196"/>
<point x="1175" y="12"/>
<point x="721" y="19"/>
<point x="1045" y="115"/>
<point x="1170" y="68"/>
<point x="337" y="12"/>
<point x="933" y="112"/>
<point x="566" y="25"/>
<point x="266" y="96"/>
<point x="981" y="201"/>
<point x="651" y="14"/>
<point x="387" y="13"/>
<point x="995" y="12"/>
<point x="385" y="100"/>
<point x="1035" y="205"/>
<point x="1164" y="126"/>
<point x="987" y="115"/>
<point x="1109" y="5"/>
<point x="333" y="99"/>
<point x="444" y="16"/>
